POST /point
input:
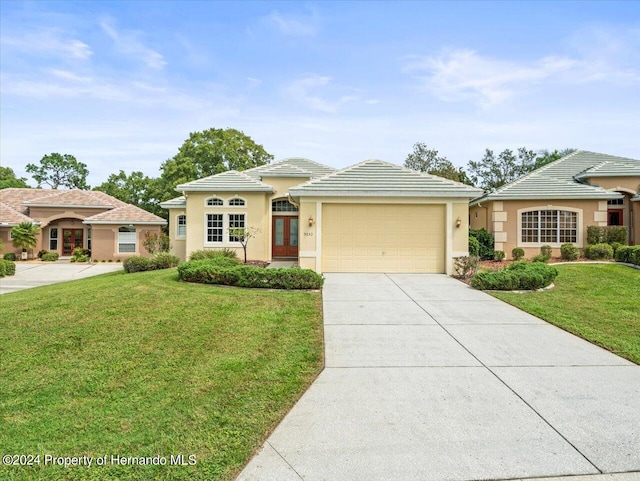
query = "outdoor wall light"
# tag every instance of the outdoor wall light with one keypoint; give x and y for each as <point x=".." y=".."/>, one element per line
<point x="458" y="222"/>
<point x="311" y="221"/>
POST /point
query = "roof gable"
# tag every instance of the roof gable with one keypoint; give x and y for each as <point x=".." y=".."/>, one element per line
<point x="10" y="216"/>
<point x="379" y="178"/>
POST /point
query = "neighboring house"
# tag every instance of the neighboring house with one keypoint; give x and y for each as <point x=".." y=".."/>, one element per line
<point x="371" y="217"/>
<point x="93" y="220"/>
<point x="556" y="203"/>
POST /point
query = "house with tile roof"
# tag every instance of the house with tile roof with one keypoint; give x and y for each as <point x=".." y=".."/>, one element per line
<point x="556" y="203"/>
<point x="370" y="217"/>
<point x="109" y="228"/>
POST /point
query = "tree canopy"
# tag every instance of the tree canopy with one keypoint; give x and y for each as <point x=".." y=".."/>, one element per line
<point x="424" y="159"/>
<point x="135" y="188"/>
<point x="211" y="152"/>
<point x="8" y="179"/>
<point x="59" y="170"/>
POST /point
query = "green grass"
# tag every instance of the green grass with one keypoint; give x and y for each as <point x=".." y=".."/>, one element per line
<point x="143" y="365"/>
<point x="598" y="302"/>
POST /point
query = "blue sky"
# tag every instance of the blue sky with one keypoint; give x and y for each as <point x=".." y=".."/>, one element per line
<point x="121" y="84"/>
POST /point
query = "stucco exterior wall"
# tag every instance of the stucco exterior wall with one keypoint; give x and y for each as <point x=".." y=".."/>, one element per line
<point x="504" y="221"/>
<point x="628" y="184"/>
<point x="104" y="240"/>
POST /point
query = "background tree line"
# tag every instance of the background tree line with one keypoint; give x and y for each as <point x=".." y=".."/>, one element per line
<point x="214" y="151"/>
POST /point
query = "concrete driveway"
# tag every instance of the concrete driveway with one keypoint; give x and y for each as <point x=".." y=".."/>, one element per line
<point x="34" y="274"/>
<point x="428" y="379"/>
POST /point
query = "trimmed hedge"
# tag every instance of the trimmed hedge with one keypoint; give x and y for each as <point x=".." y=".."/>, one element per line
<point x="9" y="256"/>
<point x="598" y="252"/>
<point x="49" y="257"/>
<point x="520" y="275"/>
<point x="216" y="272"/>
<point x="629" y="254"/>
<point x="7" y="268"/>
<point x="136" y="264"/>
<point x="569" y="252"/>
<point x="213" y="253"/>
<point x="607" y="234"/>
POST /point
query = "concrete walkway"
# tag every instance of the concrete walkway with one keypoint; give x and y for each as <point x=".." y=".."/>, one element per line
<point x="34" y="274"/>
<point x="428" y="379"/>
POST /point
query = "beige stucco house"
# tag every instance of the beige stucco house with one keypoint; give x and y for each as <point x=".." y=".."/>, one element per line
<point x="371" y="217"/>
<point x="555" y="204"/>
<point x="109" y="228"/>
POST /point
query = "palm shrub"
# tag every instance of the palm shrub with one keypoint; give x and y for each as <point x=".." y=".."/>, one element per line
<point x="569" y="252"/>
<point x="25" y="235"/>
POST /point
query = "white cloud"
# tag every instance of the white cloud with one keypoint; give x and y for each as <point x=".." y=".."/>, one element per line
<point x="293" y="25"/>
<point x="464" y="74"/>
<point x="129" y="43"/>
<point x="317" y="92"/>
<point x="51" y="41"/>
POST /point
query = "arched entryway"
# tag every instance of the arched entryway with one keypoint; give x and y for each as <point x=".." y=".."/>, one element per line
<point x="620" y="212"/>
<point x="65" y="234"/>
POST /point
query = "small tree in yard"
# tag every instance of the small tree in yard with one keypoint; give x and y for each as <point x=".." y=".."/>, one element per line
<point x="24" y="235"/>
<point x="243" y="235"/>
<point x="154" y="242"/>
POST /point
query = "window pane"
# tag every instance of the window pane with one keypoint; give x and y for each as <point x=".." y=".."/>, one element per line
<point x="283" y="206"/>
<point x="182" y="226"/>
<point x="279" y="234"/>
<point x="214" y="202"/>
<point x="235" y="221"/>
<point x="293" y="232"/>
<point x="214" y="227"/>
<point x="236" y="202"/>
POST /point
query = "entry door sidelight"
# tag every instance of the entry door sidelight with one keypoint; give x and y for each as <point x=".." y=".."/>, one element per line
<point x="284" y="236"/>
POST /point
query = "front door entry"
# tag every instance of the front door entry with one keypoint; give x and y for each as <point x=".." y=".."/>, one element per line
<point x="285" y="236"/>
<point x="71" y="238"/>
<point x="615" y="217"/>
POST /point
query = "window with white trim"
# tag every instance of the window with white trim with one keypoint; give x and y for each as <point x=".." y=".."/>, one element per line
<point x="214" y="202"/>
<point x="53" y="239"/>
<point x="549" y="226"/>
<point x="214" y="227"/>
<point x="615" y="202"/>
<point x="182" y="226"/>
<point x="127" y="240"/>
<point x="236" y="221"/>
<point x="236" y="202"/>
<point x="89" y="238"/>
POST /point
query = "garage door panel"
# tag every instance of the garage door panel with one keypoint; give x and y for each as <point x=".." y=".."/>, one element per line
<point x="383" y="238"/>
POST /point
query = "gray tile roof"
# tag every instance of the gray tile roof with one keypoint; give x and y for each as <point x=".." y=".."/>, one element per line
<point x="636" y="198"/>
<point x="315" y="169"/>
<point x="562" y="179"/>
<point x="125" y="214"/>
<point x="174" y="203"/>
<point x="616" y="168"/>
<point x="378" y="178"/>
<point x="230" y="181"/>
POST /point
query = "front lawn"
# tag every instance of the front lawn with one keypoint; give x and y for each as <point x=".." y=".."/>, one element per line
<point x="141" y="365"/>
<point x="598" y="302"/>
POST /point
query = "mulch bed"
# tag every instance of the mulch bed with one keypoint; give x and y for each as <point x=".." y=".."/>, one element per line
<point x="257" y="263"/>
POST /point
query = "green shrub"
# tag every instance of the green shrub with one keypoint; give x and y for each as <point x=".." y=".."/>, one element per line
<point x="517" y="253"/>
<point x="213" y="272"/>
<point x="569" y="252"/>
<point x="7" y="268"/>
<point x="546" y="251"/>
<point x="41" y="253"/>
<point x="607" y="234"/>
<point x="498" y="256"/>
<point x="540" y="258"/>
<point x="9" y="256"/>
<point x="213" y="253"/>
<point x="486" y="243"/>
<point x="474" y="247"/>
<point x="615" y="246"/>
<point x="163" y="260"/>
<point x="50" y="257"/>
<point x="80" y="255"/>
<point x="520" y="275"/>
<point x="628" y="254"/>
<point x="598" y="251"/>
<point x="136" y="264"/>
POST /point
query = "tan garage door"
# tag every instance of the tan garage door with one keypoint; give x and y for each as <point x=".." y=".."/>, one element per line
<point x="383" y="238"/>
